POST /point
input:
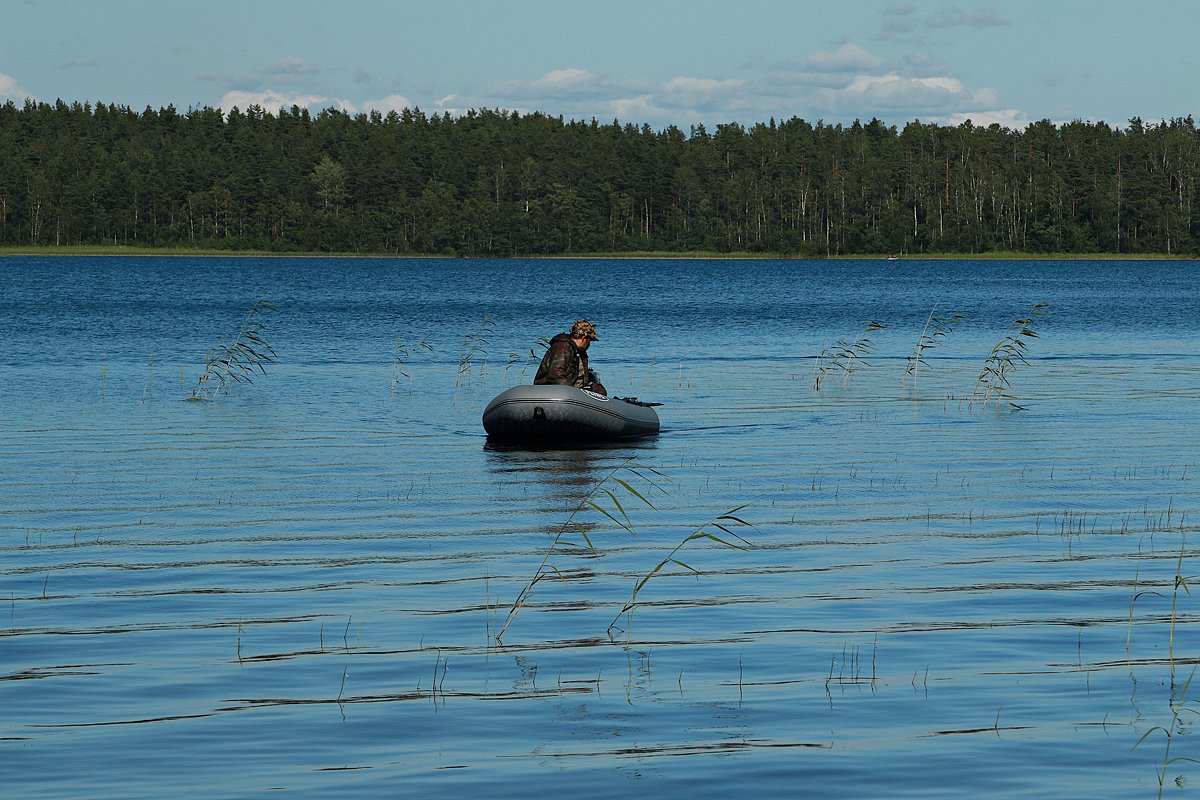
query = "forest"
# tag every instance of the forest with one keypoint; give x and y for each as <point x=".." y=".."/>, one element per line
<point x="499" y="183"/>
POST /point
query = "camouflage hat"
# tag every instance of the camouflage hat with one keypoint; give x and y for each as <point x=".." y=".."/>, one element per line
<point x="582" y="329"/>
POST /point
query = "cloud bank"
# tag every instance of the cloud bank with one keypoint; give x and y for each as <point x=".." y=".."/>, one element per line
<point x="838" y="84"/>
<point x="10" y="90"/>
<point x="273" y="101"/>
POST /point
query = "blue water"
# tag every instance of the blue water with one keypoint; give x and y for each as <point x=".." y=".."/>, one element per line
<point x="298" y="584"/>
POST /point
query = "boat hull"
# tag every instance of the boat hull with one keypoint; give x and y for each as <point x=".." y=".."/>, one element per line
<point x="551" y="413"/>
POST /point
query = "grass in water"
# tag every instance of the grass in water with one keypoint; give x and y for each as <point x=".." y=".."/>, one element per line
<point x="993" y="382"/>
<point x="1132" y="602"/>
<point x="571" y="533"/>
<point x="473" y="346"/>
<point x="844" y="356"/>
<point x="237" y="360"/>
<point x="1179" y="703"/>
<point x="1176" y="727"/>
<point x="935" y="328"/>
<point x="1181" y="582"/>
<point x="404" y="352"/>
<point x="534" y="359"/>
<point x="722" y="523"/>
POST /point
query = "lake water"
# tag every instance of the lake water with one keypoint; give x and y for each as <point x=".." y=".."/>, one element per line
<point x="297" y="585"/>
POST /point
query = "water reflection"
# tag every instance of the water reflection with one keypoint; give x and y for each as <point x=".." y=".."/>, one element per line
<point x="579" y="466"/>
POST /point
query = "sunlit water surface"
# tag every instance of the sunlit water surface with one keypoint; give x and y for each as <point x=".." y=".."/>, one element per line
<point x="298" y="585"/>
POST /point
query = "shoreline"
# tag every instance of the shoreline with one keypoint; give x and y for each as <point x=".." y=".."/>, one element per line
<point x="168" y="252"/>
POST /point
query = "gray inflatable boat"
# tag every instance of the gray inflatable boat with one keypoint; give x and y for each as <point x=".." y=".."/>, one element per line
<point x="551" y="413"/>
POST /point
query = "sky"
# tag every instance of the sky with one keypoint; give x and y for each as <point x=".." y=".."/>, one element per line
<point x="655" y="62"/>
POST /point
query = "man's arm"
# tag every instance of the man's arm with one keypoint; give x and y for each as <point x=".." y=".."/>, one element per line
<point x="594" y="384"/>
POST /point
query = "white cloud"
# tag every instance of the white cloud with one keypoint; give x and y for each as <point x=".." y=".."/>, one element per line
<point x="298" y="76"/>
<point x="798" y="80"/>
<point x="291" y="65"/>
<point x="273" y="101"/>
<point x="932" y="97"/>
<point x="1005" y="118"/>
<point x="940" y="99"/>
<point x="685" y="100"/>
<point x="393" y="102"/>
<point x="579" y="94"/>
<point x="557" y="85"/>
<point x="983" y="98"/>
<point x="701" y="85"/>
<point x="567" y="78"/>
<point x="454" y="105"/>
<point x="11" y="90"/>
<point x="638" y="108"/>
<point x="878" y="93"/>
<point x="839" y="84"/>
<point x="847" y="58"/>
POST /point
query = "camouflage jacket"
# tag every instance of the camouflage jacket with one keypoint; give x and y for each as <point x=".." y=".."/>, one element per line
<point x="564" y="364"/>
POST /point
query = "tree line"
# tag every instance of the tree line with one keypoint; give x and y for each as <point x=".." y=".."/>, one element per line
<point x="502" y="183"/>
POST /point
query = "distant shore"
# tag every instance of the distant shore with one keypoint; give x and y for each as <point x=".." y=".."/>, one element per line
<point x="119" y="250"/>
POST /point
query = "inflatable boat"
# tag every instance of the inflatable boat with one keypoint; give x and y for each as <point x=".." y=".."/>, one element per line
<point x="564" y="414"/>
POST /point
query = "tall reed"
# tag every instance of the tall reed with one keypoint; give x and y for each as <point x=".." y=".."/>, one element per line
<point x="844" y="356"/>
<point x="722" y="522"/>
<point x="534" y="359"/>
<point x="1179" y="706"/>
<point x="935" y="328"/>
<point x="404" y="352"/>
<point x="612" y="487"/>
<point x="993" y="381"/>
<point x="1181" y="582"/>
<point x="237" y="360"/>
<point x="473" y="345"/>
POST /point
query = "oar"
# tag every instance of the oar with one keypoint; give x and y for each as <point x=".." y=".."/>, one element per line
<point x="636" y="402"/>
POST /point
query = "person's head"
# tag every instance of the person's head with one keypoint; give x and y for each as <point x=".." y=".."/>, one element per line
<point x="583" y="333"/>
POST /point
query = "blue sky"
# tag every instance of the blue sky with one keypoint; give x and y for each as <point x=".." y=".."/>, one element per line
<point x="661" y="62"/>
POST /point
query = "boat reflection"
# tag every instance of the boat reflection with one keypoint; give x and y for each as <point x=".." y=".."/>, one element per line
<point x="563" y="465"/>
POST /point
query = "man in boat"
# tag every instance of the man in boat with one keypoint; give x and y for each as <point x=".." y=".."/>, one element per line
<point x="566" y="360"/>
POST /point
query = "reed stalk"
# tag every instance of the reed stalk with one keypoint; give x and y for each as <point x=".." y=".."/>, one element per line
<point x="844" y="356"/>
<point x="404" y="352"/>
<point x="1181" y="582"/>
<point x="935" y="328"/>
<point x="237" y="360"/>
<point x="608" y="487"/>
<point x="993" y="381"/>
<point x="1132" y="602"/>
<point x="1179" y="706"/>
<point x="724" y="523"/>
<point x="534" y="359"/>
<point x="473" y="346"/>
